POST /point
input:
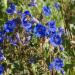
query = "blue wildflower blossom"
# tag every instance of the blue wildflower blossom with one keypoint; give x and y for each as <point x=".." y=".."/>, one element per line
<point x="57" y="5"/>
<point x="11" y="9"/>
<point x="27" y="26"/>
<point x="1" y="69"/>
<point x="63" y="72"/>
<point x="61" y="31"/>
<point x="19" y="12"/>
<point x="1" y="39"/>
<point x="52" y="26"/>
<point x="9" y="26"/>
<point x="46" y="10"/>
<point x="26" y="13"/>
<point x="49" y="32"/>
<point x="51" y="67"/>
<point x="2" y="34"/>
<point x="26" y="21"/>
<point x="55" y="40"/>
<point x="57" y="64"/>
<point x="2" y="57"/>
<point x="40" y="30"/>
<point x="32" y="3"/>
<point x="61" y="47"/>
<point x="13" y="42"/>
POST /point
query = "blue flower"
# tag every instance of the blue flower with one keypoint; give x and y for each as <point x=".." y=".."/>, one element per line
<point x="9" y="26"/>
<point x="2" y="34"/>
<point x="11" y="9"/>
<point x="26" y="13"/>
<point x="27" y="26"/>
<point x="61" y="31"/>
<point x="32" y="3"/>
<point x="51" y="66"/>
<point x="13" y="42"/>
<point x="57" y="5"/>
<point x="52" y="26"/>
<point x="40" y="30"/>
<point x="26" y="21"/>
<point x="46" y="11"/>
<point x="55" y="40"/>
<point x="2" y="57"/>
<point x="19" y="12"/>
<point x="49" y="33"/>
<point x="61" y="47"/>
<point x="1" y="39"/>
<point x="63" y="72"/>
<point x="1" y="69"/>
<point x="57" y="64"/>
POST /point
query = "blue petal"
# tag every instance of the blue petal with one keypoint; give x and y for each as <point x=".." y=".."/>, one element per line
<point x="40" y="30"/>
<point x="46" y="11"/>
<point x="57" y="5"/>
<point x="55" y="40"/>
<point x="1" y="69"/>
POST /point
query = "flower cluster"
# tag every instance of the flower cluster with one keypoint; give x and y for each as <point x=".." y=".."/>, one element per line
<point x="57" y="64"/>
<point x="32" y="26"/>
